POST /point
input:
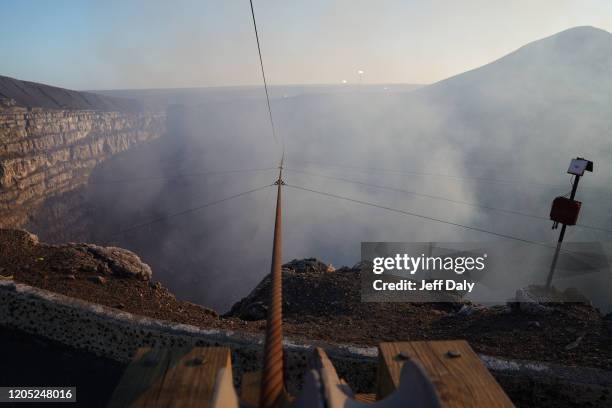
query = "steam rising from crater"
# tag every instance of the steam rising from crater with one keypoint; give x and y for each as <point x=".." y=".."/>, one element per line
<point x="499" y="136"/>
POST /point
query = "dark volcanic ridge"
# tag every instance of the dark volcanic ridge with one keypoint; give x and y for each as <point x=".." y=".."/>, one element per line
<point x="25" y="94"/>
<point x="320" y="303"/>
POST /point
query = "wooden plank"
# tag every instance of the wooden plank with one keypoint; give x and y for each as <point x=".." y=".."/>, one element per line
<point x="249" y="390"/>
<point x="336" y="391"/>
<point x="190" y="382"/>
<point x="171" y="377"/>
<point x="369" y="398"/>
<point x="319" y="360"/>
<point x="461" y="381"/>
<point x="224" y="393"/>
<point x="135" y="388"/>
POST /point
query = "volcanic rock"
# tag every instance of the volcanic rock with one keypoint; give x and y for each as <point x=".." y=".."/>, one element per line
<point x="122" y="263"/>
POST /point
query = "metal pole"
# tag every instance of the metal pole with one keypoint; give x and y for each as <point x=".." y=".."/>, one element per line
<point x="272" y="390"/>
<point x="561" y="235"/>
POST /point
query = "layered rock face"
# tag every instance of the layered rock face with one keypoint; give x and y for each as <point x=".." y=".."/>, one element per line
<point x="48" y="152"/>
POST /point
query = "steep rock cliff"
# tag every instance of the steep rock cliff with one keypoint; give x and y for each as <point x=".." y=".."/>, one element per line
<point x="48" y="152"/>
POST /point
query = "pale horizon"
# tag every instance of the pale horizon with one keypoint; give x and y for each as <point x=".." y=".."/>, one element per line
<point x="155" y="45"/>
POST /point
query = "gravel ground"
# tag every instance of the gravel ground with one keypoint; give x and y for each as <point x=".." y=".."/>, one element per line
<point x="319" y="304"/>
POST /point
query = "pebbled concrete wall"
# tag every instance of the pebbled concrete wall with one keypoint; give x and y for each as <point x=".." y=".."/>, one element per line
<point x="116" y="335"/>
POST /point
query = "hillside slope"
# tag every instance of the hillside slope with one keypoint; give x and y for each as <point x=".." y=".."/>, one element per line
<point x="31" y="94"/>
<point x="575" y="64"/>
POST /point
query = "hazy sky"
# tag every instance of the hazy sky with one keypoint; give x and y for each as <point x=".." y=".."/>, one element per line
<point x="152" y="44"/>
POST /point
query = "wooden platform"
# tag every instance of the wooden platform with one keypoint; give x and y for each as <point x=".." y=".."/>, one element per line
<point x="448" y="371"/>
<point x="460" y="378"/>
<point x="171" y="377"/>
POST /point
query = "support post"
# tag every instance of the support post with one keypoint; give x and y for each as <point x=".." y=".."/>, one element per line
<point x="561" y="236"/>
<point x="272" y="379"/>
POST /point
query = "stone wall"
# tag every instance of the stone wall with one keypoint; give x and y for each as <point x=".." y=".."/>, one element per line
<point x="45" y="153"/>
<point x="116" y="335"/>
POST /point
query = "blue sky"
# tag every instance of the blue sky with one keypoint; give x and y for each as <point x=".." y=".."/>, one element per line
<point x="85" y="44"/>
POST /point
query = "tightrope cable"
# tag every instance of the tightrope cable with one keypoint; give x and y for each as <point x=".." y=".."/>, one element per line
<point x="187" y="211"/>
<point x="435" y="197"/>
<point x="179" y="176"/>
<point x="413" y="214"/>
<point x="263" y="75"/>
<point x="484" y="180"/>
<point x="439" y="220"/>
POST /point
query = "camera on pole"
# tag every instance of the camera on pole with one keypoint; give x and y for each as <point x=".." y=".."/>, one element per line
<point x="565" y="210"/>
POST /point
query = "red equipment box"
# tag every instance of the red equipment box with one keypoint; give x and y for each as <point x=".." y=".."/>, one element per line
<point x="565" y="211"/>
